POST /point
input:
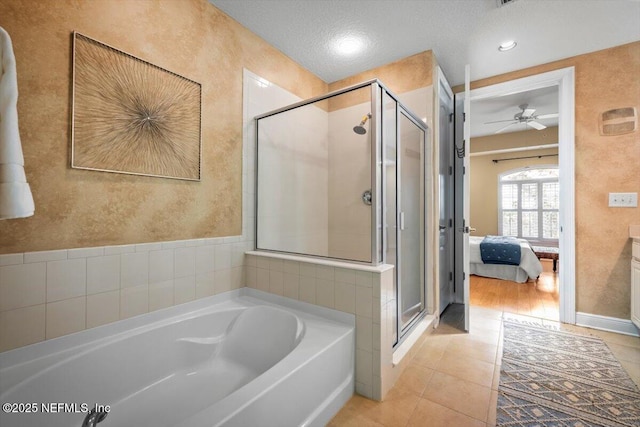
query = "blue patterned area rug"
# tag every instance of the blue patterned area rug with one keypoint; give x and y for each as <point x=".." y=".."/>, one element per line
<point x="554" y="378"/>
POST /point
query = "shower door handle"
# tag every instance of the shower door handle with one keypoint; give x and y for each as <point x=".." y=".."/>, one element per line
<point x="401" y="221"/>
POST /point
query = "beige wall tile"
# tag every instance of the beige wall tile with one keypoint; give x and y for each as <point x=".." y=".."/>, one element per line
<point x="325" y="293"/>
<point x="222" y="281"/>
<point x="22" y="326"/>
<point x="134" y="269"/>
<point x="205" y="284"/>
<point x="307" y="289"/>
<point x="291" y="285"/>
<point x="184" y="289"/>
<point x="65" y="317"/>
<point x="345" y="297"/>
<point x="134" y="301"/>
<point x="276" y="280"/>
<point x="161" y="295"/>
<point x="161" y="265"/>
<point x="364" y="301"/>
<point x="185" y="262"/>
<point x="103" y="274"/>
<point x="66" y="279"/>
<point x="103" y="308"/>
<point x="22" y="285"/>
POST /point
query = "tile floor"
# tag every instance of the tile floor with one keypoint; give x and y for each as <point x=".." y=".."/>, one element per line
<point x="453" y="379"/>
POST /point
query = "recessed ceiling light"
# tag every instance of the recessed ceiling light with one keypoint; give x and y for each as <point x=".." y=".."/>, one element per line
<point x="348" y="45"/>
<point x="508" y="45"/>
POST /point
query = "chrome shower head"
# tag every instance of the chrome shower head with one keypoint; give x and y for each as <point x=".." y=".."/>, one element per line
<point x="360" y="129"/>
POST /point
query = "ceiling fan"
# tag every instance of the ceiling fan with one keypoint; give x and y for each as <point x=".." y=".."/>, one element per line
<point x="526" y="116"/>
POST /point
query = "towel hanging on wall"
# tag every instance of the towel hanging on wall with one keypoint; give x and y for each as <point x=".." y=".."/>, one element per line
<point x="16" y="200"/>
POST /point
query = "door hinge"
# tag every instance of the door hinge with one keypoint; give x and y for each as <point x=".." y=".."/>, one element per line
<point x="450" y="170"/>
<point x="464" y="276"/>
<point x="450" y="117"/>
<point x="464" y="117"/>
<point x="450" y="222"/>
<point x="451" y="275"/>
<point x="464" y="170"/>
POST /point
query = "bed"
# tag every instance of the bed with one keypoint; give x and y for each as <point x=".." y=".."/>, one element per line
<point x="529" y="268"/>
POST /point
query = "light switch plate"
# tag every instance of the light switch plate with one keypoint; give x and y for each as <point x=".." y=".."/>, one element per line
<point x="623" y="200"/>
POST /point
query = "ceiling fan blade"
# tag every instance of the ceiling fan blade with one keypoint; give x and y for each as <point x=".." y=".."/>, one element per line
<point x="528" y="112"/>
<point x="536" y="125"/>
<point x="506" y="127"/>
<point x="500" y="121"/>
<point x="547" y="116"/>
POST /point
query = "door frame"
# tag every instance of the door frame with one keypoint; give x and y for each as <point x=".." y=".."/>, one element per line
<point x="443" y="89"/>
<point x="564" y="79"/>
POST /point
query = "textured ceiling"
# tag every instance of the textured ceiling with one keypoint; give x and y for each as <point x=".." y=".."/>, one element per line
<point x="458" y="31"/>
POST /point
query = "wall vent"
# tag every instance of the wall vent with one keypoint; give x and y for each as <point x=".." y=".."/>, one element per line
<point x="504" y="2"/>
<point x="618" y="121"/>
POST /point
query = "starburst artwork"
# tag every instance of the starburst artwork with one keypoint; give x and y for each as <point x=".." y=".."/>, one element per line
<point x="130" y="116"/>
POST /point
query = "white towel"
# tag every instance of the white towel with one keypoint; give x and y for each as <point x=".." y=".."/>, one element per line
<point x="16" y="200"/>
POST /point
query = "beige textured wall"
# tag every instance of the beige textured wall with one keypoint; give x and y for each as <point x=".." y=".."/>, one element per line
<point x="404" y="75"/>
<point x="77" y="208"/>
<point x="604" y="80"/>
<point x="484" y="173"/>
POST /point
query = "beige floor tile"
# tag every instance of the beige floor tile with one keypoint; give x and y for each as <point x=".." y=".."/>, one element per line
<point x="611" y="337"/>
<point x="496" y="378"/>
<point x="493" y="406"/>
<point x="478" y="333"/>
<point x="414" y="379"/>
<point x="395" y="410"/>
<point x="486" y="324"/>
<point x="633" y="369"/>
<point x="483" y="312"/>
<point x="463" y="396"/>
<point x="431" y="414"/>
<point x="353" y="414"/>
<point x="625" y="353"/>
<point x="430" y="354"/>
<point x="473" y="370"/>
<point x="473" y="349"/>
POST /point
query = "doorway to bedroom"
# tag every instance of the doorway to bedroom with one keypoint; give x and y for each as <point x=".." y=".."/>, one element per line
<point x="515" y="196"/>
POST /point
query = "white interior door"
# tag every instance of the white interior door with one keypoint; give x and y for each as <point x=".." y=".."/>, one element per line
<point x="462" y="197"/>
<point x="466" y="195"/>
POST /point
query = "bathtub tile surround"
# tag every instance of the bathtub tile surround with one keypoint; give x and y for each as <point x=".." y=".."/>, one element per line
<point x="48" y="294"/>
<point x="362" y="290"/>
<point x="250" y="355"/>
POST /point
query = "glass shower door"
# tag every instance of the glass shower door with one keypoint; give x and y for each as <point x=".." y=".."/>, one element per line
<point x="410" y="220"/>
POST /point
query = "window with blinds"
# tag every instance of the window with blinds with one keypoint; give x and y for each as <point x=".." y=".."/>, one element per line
<point x="528" y="203"/>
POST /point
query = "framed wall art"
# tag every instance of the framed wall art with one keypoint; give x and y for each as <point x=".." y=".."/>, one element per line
<point x="130" y="116"/>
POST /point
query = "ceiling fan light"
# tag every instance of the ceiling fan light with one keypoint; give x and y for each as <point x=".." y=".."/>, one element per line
<point x="508" y="45"/>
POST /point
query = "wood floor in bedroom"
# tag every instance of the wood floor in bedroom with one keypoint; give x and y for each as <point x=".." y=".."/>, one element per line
<point x="535" y="298"/>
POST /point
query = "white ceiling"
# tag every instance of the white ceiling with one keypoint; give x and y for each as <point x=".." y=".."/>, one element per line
<point x="458" y="31"/>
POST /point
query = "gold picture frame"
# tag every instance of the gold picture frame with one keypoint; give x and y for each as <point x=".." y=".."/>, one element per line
<point x="130" y="116"/>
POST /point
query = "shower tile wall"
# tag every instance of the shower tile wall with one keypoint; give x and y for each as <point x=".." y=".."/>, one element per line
<point x="349" y="177"/>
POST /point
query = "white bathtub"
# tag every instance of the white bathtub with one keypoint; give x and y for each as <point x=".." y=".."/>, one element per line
<point x="243" y="358"/>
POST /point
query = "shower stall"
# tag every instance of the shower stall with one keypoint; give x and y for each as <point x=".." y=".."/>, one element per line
<point x="342" y="177"/>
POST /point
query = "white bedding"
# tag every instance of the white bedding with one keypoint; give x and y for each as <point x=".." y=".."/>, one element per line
<point x="529" y="268"/>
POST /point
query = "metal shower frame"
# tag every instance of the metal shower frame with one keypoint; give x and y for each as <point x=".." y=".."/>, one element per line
<point x="378" y="173"/>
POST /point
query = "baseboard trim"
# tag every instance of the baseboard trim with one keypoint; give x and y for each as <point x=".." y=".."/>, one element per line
<point x="605" y="323"/>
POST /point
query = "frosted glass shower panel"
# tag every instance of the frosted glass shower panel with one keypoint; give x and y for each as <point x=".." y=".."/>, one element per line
<point x="313" y="168"/>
